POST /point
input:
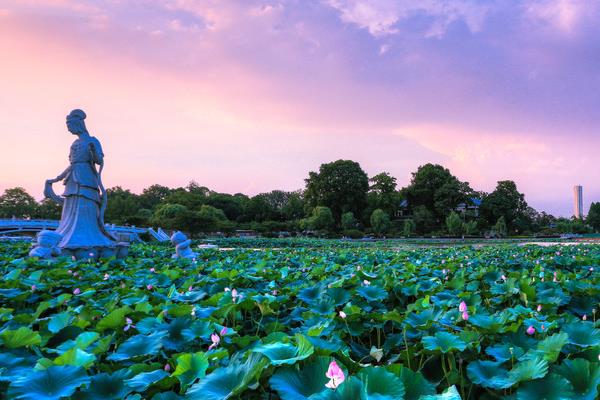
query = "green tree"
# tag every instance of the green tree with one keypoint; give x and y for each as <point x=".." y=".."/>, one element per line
<point x="121" y="206"/>
<point x="507" y="202"/>
<point x="593" y="217"/>
<point x="438" y="191"/>
<point x="408" y="228"/>
<point x="341" y="186"/>
<point x="153" y="195"/>
<point x="322" y="219"/>
<point x="48" y="209"/>
<point x="424" y="219"/>
<point x="209" y="219"/>
<point x="348" y="220"/>
<point x="16" y="202"/>
<point x="500" y="227"/>
<point x="382" y="193"/>
<point x="470" y="227"/>
<point x="380" y="221"/>
<point x="171" y="216"/>
<point x="454" y="224"/>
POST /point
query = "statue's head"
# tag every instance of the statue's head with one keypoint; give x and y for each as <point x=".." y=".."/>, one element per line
<point x="75" y="123"/>
<point x="178" y="238"/>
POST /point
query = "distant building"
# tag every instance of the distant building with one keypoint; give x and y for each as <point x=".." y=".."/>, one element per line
<point x="578" y="201"/>
<point x="470" y="208"/>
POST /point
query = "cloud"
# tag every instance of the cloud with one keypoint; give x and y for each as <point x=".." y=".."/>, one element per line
<point x="382" y="17"/>
<point x="563" y="15"/>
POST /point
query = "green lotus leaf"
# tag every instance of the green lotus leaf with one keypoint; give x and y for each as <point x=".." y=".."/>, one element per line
<point x="489" y="323"/>
<point x="49" y="384"/>
<point x="534" y="368"/>
<point x="323" y="306"/>
<point x="488" y="374"/>
<point x="415" y="384"/>
<point x="287" y="353"/>
<point x="190" y="367"/>
<point x="20" y="337"/>
<point x="380" y="384"/>
<point x="108" y="386"/>
<point x="300" y="383"/>
<point x="351" y="389"/>
<point x="76" y="357"/>
<point x="139" y="345"/>
<point x="372" y="293"/>
<point x="551" y="346"/>
<point x="224" y="383"/>
<point x="338" y="295"/>
<point x="423" y="318"/>
<point x="310" y="294"/>
<point x="444" y="342"/>
<point x="83" y="341"/>
<point x="582" y="334"/>
<point x="59" y="321"/>
<point x="115" y="319"/>
<point x="552" y="387"/>
<point x="141" y="382"/>
<point x="167" y="396"/>
<point x="583" y="375"/>
<point x="504" y="352"/>
<point x="450" y="394"/>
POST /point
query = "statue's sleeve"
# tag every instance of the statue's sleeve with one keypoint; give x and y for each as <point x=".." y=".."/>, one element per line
<point x="97" y="154"/>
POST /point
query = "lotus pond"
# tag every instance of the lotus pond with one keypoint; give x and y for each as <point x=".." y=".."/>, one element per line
<point x="293" y="323"/>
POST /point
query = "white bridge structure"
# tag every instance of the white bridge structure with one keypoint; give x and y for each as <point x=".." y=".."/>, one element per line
<point x="17" y="226"/>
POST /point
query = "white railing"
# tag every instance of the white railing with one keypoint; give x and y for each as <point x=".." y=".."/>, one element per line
<point x="15" y="225"/>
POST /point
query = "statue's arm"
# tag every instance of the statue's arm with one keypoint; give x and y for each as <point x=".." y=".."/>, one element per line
<point x="97" y="153"/>
<point x="60" y="177"/>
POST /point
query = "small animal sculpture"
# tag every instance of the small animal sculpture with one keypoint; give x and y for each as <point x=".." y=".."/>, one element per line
<point x="47" y="245"/>
<point x="182" y="246"/>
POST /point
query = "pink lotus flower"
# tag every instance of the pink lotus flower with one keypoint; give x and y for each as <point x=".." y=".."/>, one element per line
<point x="152" y="269"/>
<point x="462" y="307"/>
<point x="465" y="316"/>
<point x="216" y="339"/>
<point x="190" y="289"/>
<point x="223" y="331"/>
<point x="149" y="287"/>
<point x="167" y="367"/>
<point x="33" y="287"/>
<point x="234" y="295"/>
<point x="106" y="276"/>
<point x="342" y="314"/>
<point x="530" y="330"/>
<point x="76" y="291"/>
<point x="584" y="317"/>
<point x="539" y="308"/>
<point x="129" y="324"/>
<point x="335" y="375"/>
<point x="366" y="282"/>
<point x="504" y="277"/>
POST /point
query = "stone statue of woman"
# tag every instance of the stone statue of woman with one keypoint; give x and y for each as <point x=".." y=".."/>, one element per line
<point x="84" y="199"/>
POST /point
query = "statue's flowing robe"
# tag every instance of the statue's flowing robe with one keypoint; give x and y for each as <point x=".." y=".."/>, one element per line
<point x="80" y="225"/>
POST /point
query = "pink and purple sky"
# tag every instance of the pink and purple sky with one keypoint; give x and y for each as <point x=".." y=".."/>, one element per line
<point x="248" y="96"/>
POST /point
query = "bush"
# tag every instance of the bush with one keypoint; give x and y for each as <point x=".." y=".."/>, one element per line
<point x="353" y="234"/>
<point x="454" y="224"/>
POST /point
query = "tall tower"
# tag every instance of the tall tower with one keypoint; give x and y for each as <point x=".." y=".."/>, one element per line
<point x="578" y="201"/>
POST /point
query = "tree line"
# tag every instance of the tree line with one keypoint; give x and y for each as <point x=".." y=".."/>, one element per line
<point x="339" y="199"/>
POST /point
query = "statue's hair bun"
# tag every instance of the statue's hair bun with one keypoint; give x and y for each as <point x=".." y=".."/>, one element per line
<point x="76" y="114"/>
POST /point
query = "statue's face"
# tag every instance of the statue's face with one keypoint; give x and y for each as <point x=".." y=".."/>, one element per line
<point x="72" y="126"/>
